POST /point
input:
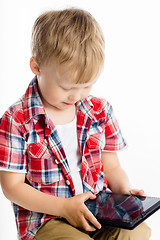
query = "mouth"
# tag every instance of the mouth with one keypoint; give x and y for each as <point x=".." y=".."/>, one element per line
<point x="69" y="104"/>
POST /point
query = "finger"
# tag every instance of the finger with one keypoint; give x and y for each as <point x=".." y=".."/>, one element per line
<point x="141" y="192"/>
<point x="92" y="219"/>
<point x="133" y="191"/>
<point x="87" y="226"/>
<point x="88" y="195"/>
<point x="137" y="192"/>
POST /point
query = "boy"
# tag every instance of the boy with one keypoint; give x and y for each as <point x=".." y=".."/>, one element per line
<point x="58" y="144"/>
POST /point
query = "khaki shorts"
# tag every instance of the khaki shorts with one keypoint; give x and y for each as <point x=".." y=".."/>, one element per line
<point x="59" y="230"/>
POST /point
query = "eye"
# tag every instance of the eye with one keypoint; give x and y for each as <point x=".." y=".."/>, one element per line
<point x="88" y="87"/>
<point x="66" y="89"/>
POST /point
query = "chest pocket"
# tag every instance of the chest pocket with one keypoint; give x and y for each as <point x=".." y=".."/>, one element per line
<point x="42" y="165"/>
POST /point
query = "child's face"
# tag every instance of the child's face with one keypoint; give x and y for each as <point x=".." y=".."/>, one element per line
<point x="58" y="90"/>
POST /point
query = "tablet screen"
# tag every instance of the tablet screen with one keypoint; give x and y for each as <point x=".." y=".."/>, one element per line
<point x="122" y="210"/>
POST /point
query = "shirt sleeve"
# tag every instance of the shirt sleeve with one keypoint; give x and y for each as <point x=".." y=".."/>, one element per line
<point x="11" y="170"/>
<point x="114" y="140"/>
<point x="12" y="145"/>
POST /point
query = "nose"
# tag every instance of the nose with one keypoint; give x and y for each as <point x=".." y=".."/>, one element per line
<point x="75" y="97"/>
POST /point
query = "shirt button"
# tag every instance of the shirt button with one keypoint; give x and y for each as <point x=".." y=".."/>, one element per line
<point x="56" y="161"/>
<point x="68" y="183"/>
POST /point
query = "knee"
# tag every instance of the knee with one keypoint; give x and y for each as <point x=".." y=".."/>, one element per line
<point x="141" y="232"/>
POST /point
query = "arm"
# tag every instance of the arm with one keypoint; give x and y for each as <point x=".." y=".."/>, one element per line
<point x="117" y="178"/>
<point x="24" y="195"/>
<point x="17" y="191"/>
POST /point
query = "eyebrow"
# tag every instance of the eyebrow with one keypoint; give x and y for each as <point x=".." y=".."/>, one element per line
<point x="78" y="86"/>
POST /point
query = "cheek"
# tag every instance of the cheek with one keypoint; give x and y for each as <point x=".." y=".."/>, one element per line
<point x="50" y="91"/>
<point x="86" y="93"/>
<point x="54" y="94"/>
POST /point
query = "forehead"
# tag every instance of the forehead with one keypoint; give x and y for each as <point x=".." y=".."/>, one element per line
<point x="66" y="84"/>
<point x="69" y="78"/>
<point x="68" y="75"/>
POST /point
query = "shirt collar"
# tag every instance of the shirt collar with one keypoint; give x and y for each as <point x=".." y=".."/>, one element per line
<point x="86" y="106"/>
<point x="33" y="105"/>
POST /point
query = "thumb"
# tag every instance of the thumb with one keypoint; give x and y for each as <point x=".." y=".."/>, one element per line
<point x="89" y="195"/>
<point x="139" y="192"/>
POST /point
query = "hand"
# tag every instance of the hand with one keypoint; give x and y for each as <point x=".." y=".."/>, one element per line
<point x="137" y="192"/>
<point x="77" y="214"/>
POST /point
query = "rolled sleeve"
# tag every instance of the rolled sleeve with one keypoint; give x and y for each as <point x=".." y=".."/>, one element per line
<point x="12" y="145"/>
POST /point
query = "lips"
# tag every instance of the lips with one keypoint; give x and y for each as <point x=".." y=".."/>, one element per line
<point x="68" y="103"/>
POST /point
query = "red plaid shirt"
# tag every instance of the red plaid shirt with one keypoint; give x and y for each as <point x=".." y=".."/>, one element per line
<point x="29" y="142"/>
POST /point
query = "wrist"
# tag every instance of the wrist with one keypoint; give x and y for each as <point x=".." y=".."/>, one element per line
<point x="58" y="206"/>
<point x="65" y="206"/>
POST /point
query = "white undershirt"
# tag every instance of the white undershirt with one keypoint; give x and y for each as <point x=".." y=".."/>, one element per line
<point x="68" y="135"/>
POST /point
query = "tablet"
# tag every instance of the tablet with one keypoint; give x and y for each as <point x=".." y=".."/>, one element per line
<point x="122" y="211"/>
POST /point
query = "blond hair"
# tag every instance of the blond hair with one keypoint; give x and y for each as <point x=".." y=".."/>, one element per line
<point x="70" y="36"/>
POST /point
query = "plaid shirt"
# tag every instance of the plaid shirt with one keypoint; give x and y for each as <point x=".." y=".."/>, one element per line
<point x="29" y="142"/>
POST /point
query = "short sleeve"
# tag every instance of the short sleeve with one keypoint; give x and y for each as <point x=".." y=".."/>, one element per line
<point x="114" y="140"/>
<point x="12" y="145"/>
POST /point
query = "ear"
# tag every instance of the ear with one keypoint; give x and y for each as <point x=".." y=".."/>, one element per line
<point x="34" y="66"/>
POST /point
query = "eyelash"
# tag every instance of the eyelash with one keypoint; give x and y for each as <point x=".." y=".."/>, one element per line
<point x="65" y="89"/>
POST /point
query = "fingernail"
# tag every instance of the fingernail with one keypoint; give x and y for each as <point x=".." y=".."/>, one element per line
<point x="93" y="229"/>
<point x="99" y="227"/>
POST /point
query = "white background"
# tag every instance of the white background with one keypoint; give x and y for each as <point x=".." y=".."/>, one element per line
<point x="130" y="80"/>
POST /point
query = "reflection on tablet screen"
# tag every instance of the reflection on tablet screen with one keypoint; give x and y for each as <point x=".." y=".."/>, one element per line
<point x="116" y="207"/>
<point x="126" y="211"/>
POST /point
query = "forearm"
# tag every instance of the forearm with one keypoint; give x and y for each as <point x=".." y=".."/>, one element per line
<point x="72" y="209"/>
<point x="118" y="180"/>
<point x="29" y="198"/>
